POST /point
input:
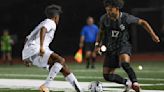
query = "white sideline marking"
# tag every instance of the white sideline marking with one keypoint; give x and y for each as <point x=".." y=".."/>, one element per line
<point x="144" y="71"/>
<point x="59" y="76"/>
<point x="56" y="85"/>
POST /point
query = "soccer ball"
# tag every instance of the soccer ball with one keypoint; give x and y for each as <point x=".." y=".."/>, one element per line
<point x="140" y="67"/>
<point x="96" y="86"/>
<point x="103" y="48"/>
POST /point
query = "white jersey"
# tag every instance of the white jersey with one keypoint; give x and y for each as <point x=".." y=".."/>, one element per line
<point x="32" y="45"/>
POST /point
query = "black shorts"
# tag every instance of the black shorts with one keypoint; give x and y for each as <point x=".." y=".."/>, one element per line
<point x="111" y="61"/>
<point x="112" y="58"/>
<point x="127" y="49"/>
<point x="88" y="46"/>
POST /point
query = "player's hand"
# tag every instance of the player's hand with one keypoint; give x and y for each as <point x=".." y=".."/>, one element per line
<point x="42" y="51"/>
<point x="156" y="38"/>
<point x="98" y="50"/>
<point x="81" y="45"/>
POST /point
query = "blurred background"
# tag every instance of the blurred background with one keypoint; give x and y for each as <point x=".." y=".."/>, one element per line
<point x="21" y="16"/>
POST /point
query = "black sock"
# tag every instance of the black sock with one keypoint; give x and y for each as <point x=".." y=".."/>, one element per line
<point x="87" y="62"/>
<point x="115" y="78"/>
<point x="129" y="70"/>
<point x="93" y="59"/>
<point x="93" y="62"/>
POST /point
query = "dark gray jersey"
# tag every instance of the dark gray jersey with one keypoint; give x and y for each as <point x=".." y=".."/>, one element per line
<point x="117" y="32"/>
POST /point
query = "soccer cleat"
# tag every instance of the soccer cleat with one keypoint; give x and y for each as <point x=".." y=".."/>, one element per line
<point x="43" y="88"/>
<point x="128" y="86"/>
<point x="136" y="87"/>
<point x="76" y="88"/>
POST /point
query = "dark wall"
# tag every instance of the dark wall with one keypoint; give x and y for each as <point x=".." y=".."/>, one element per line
<point x="144" y="41"/>
<point x="21" y="16"/>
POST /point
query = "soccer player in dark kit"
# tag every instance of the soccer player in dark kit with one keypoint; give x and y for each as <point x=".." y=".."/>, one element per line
<point x="114" y="34"/>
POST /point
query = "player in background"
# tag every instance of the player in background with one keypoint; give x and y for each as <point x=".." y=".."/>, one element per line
<point x="87" y="40"/>
<point x="114" y="34"/>
<point x="36" y="50"/>
<point x="6" y="47"/>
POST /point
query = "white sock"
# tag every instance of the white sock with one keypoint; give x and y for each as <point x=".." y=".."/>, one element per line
<point x="55" y="69"/>
<point x="128" y="83"/>
<point x="73" y="81"/>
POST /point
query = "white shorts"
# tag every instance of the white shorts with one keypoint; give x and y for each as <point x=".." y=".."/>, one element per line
<point x="41" y="61"/>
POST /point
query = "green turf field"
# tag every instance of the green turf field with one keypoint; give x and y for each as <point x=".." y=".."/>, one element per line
<point x="152" y="73"/>
<point x="21" y="90"/>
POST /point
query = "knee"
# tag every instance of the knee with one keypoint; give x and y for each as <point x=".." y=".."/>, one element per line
<point x="87" y="56"/>
<point x="65" y="70"/>
<point x="108" y="77"/>
<point x="56" y="58"/>
<point x="93" y="54"/>
<point x="59" y="60"/>
<point x="125" y="65"/>
<point x="62" y="61"/>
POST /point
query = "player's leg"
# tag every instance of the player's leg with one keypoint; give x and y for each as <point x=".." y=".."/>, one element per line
<point x="70" y="77"/>
<point x="110" y="64"/>
<point x="4" y="56"/>
<point x="57" y="64"/>
<point x="93" y="59"/>
<point x="93" y="55"/>
<point x="9" y="57"/>
<point x="109" y="75"/>
<point x="125" y="63"/>
<point x="88" y="54"/>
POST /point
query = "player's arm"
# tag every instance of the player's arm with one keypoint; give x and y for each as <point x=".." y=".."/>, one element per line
<point x="149" y="29"/>
<point x="82" y="37"/>
<point x="81" y="44"/>
<point x="101" y="33"/>
<point x="100" y="37"/>
<point x="42" y="37"/>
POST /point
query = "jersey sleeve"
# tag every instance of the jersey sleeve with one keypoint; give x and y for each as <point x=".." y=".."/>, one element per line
<point x="132" y="19"/>
<point x="49" y="25"/>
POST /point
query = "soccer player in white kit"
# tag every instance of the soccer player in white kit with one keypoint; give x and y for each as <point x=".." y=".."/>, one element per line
<point x="36" y="50"/>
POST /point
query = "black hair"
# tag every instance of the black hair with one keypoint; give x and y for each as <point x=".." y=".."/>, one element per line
<point x="53" y="10"/>
<point x="89" y="17"/>
<point x="114" y="3"/>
